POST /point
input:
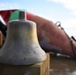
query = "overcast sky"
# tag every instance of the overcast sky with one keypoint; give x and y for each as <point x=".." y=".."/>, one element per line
<point x="54" y="10"/>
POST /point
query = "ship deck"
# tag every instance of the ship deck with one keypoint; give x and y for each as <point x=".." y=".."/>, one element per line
<point x="61" y="65"/>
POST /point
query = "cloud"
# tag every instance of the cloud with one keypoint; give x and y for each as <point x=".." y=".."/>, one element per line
<point x="7" y="5"/>
<point x="69" y="25"/>
<point x="69" y="4"/>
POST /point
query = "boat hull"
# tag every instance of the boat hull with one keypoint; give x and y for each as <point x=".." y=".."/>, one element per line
<point x="50" y="36"/>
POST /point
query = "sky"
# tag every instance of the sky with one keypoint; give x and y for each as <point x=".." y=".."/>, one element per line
<point x="54" y="10"/>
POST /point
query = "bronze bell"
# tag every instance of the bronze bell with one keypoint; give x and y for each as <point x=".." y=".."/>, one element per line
<point x="21" y="46"/>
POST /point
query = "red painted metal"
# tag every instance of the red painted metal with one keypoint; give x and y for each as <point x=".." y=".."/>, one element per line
<point x="6" y="14"/>
<point x="50" y="36"/>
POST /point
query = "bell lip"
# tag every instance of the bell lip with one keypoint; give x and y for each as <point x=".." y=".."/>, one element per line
<point x="30" y="61"/>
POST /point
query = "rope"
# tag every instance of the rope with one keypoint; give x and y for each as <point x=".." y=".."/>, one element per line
<point x="72" y="46"/>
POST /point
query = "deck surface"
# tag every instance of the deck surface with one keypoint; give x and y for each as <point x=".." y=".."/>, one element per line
<point x="61" y="65"/>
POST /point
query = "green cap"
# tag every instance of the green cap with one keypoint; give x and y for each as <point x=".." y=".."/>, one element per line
<point x="15" y="15"/>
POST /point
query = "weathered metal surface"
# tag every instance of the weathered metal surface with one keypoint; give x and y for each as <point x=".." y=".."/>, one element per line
<point x="21" y="46"/>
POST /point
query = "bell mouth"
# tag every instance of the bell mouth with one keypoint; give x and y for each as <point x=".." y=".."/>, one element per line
<point x="23" y="61"/>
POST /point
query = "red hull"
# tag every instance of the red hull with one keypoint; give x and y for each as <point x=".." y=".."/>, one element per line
<point x="52" y="38"/>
